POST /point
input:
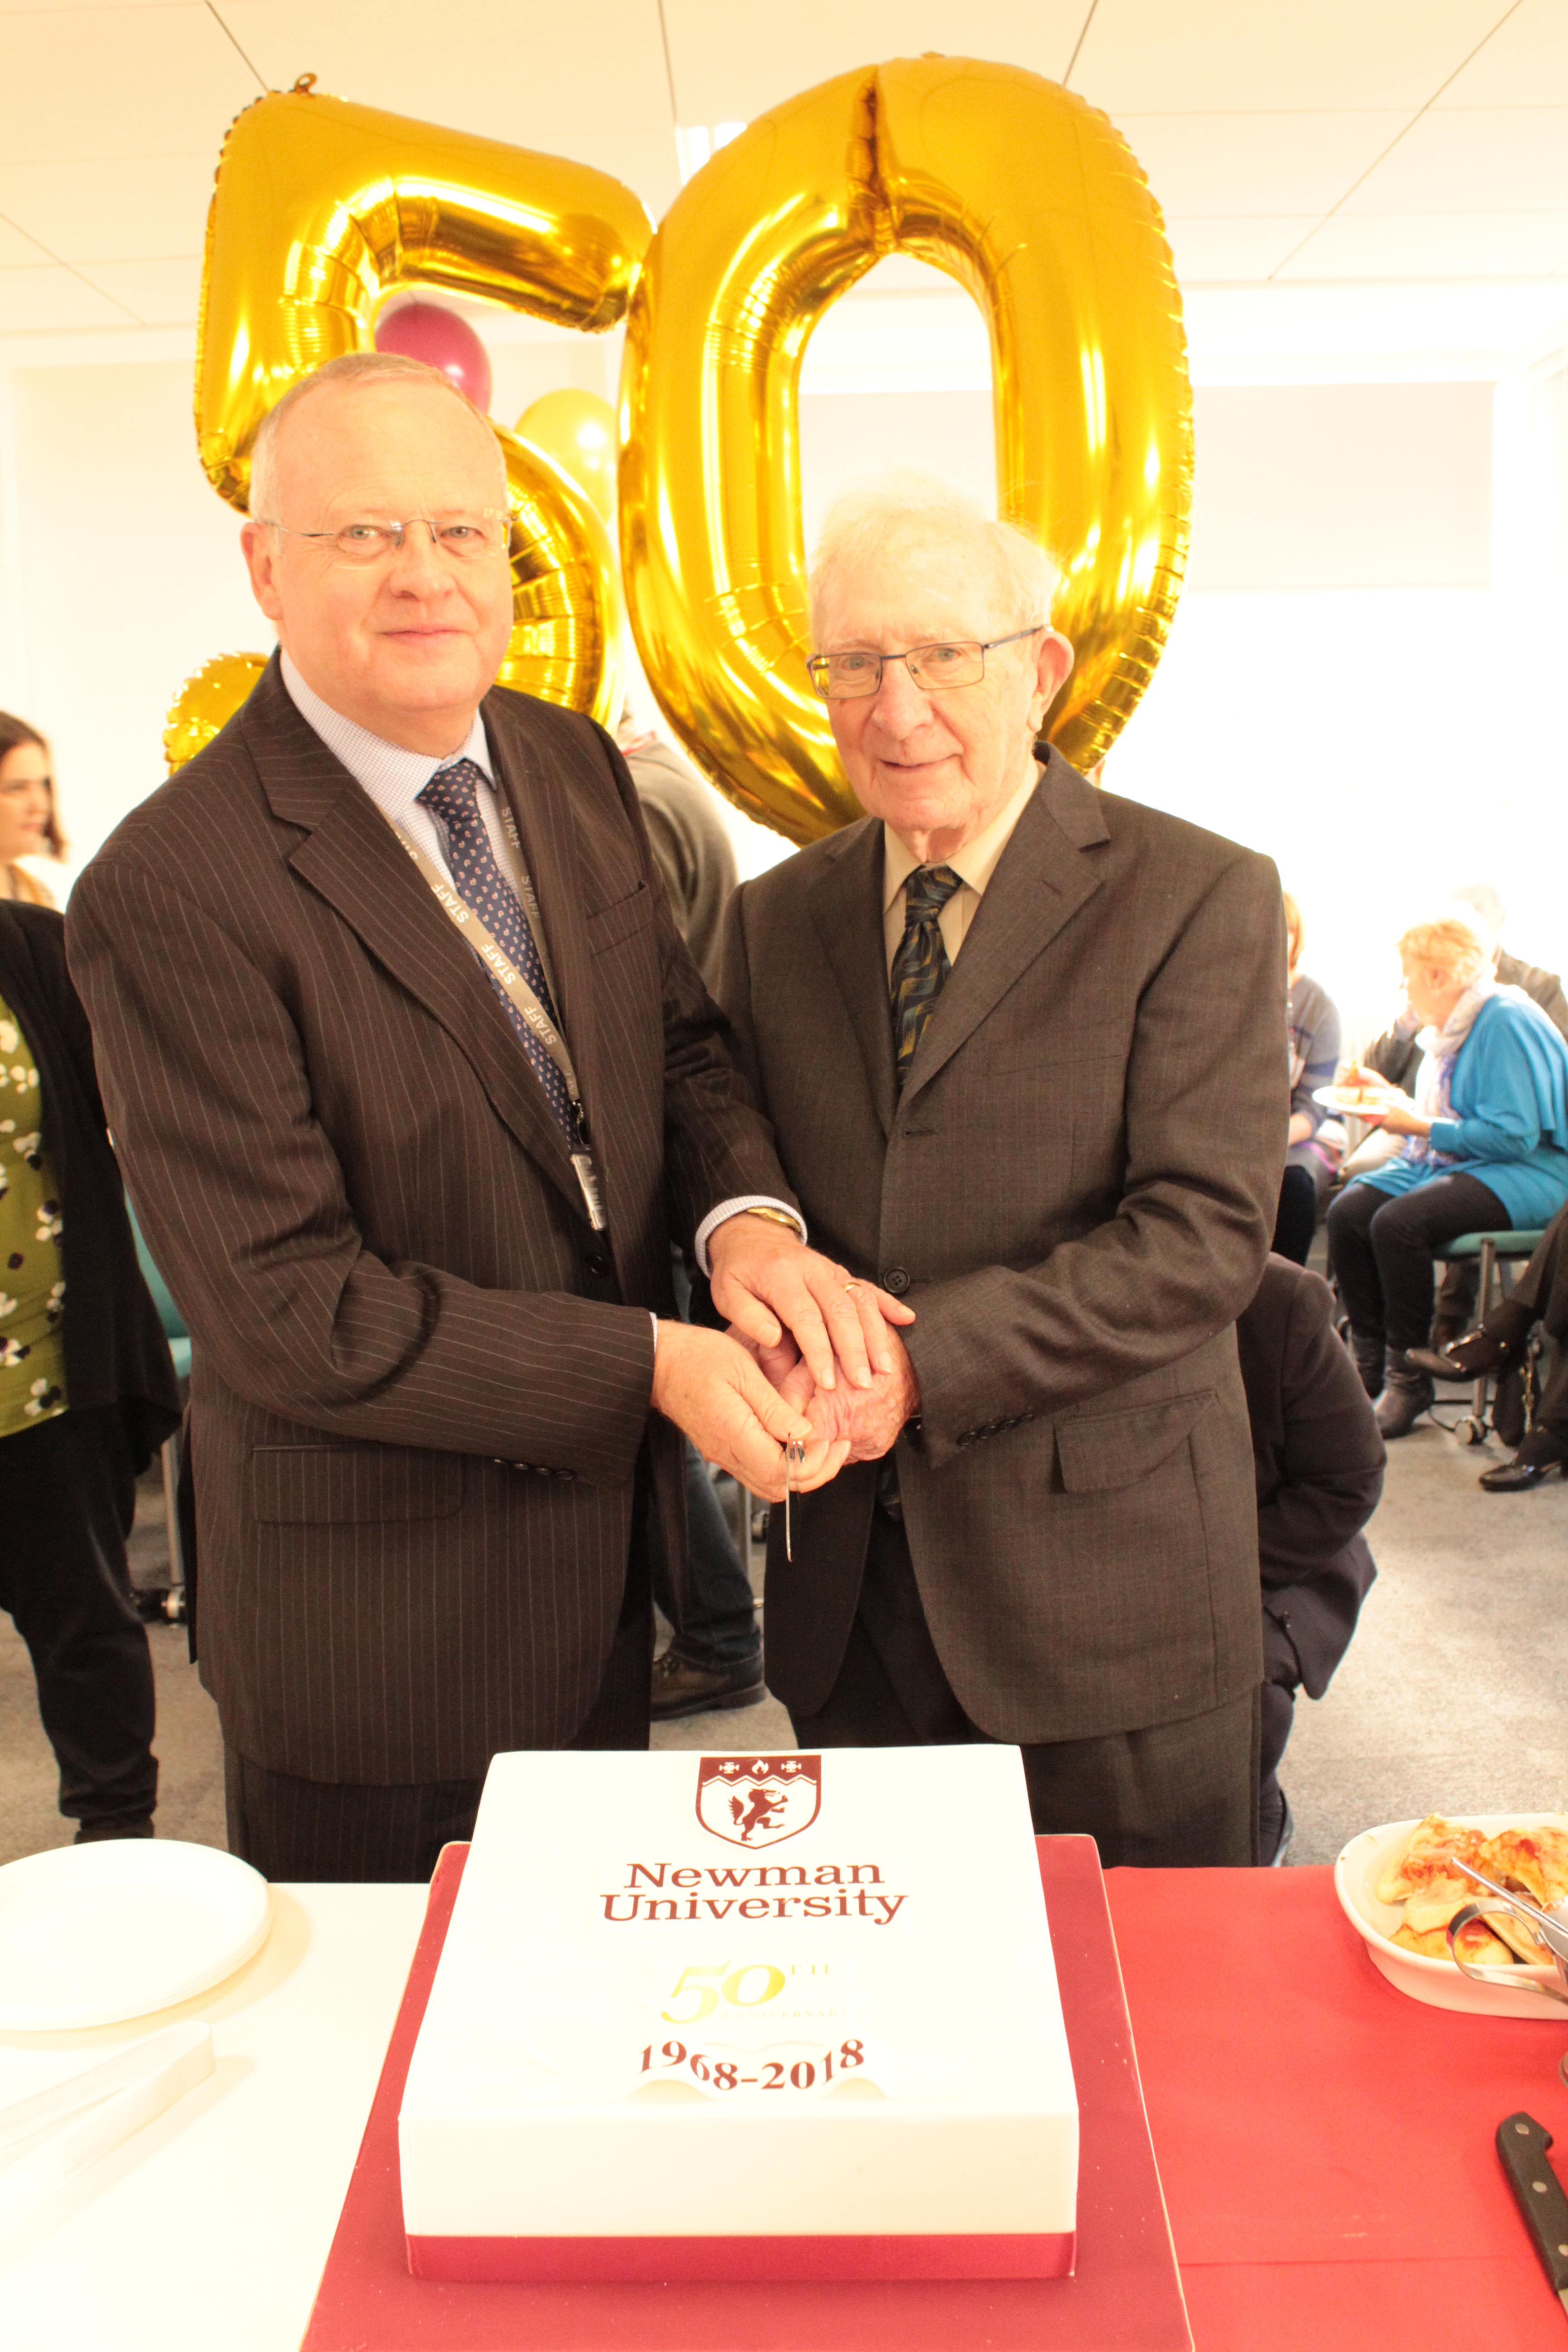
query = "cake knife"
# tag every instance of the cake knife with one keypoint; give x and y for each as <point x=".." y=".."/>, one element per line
<point x="1522" y="2143"/>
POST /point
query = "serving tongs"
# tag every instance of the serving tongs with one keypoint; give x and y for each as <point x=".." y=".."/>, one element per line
<point x="1550" y="1927"/>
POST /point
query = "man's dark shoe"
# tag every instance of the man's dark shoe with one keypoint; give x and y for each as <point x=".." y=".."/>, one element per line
<point x="1544" y="1450"/>
<point x="121" y="1825"/>
<point x="681" y="1687"/>
<point x="1407" y="1393"/>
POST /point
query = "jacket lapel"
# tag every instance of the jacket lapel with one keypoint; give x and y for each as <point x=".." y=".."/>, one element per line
<point x="846" y="914"/>
<point x="352" y="858"/>
<point x="1042" y="879"/>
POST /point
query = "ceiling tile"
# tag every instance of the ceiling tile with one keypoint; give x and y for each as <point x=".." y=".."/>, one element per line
<point x="732" y="64"/>
<point x="119" y="81"/>
<point x="165" y="293"/>
<point x="1206" y="165"/>
<point x="1148" y="56"/>
<point x="19" y="250"/>
<point x="1233" y="252"/>
<point x="1494" y="159"/>
<point x="593" y="88"/>
<point x="1433" y="245"/>
<point x="1525" y="63"/>
<point x="125" y="210"/>
<point x="483" y="66"/>
<point x="34" y="300"/>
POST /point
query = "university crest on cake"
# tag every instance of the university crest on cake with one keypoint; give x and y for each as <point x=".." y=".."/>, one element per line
<point x="756" y="1800"/>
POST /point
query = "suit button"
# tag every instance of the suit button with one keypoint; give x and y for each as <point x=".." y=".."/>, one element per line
<point x="597" y="1261"/>
<point x="896" y="1280"/>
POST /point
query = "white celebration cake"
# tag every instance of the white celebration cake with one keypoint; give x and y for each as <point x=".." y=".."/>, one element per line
<point x="745" y="2016"/>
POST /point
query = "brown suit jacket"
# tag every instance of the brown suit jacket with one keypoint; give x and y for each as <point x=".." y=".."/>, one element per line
<point x="421" y="1382"/>
<point x="1075" y="1196"/>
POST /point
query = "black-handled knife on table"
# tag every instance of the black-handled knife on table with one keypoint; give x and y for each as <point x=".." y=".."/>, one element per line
<point x="1522" y="2143"/>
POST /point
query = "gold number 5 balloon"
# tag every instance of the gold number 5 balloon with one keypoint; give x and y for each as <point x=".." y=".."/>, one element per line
<point x="1033" y="202"/>
<point x="323" y="208"/>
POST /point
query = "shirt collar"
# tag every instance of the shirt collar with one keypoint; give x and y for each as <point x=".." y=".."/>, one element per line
<point x="975" y="864"/>
<point x="394" y="777"/>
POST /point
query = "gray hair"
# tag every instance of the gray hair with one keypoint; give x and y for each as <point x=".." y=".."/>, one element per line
<point x="353" y="367"/>
<point x="870" y="517"/>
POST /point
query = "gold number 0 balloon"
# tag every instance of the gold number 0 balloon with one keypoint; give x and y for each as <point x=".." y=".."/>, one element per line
<point x="323" y="208"/>
<point x="1031" y="200"/>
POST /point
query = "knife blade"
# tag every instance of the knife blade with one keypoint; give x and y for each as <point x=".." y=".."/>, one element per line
<point x="1521" y="2144"/>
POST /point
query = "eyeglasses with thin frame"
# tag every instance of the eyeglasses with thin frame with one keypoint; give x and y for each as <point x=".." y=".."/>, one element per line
<point x="846" y="676"/>
<point x="474" y="532"/>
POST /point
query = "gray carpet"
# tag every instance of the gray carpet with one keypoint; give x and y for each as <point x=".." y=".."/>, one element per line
<point x="1454" y="1696"/>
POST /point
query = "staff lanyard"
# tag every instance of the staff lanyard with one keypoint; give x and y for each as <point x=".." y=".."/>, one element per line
<point x="518" y="992"/>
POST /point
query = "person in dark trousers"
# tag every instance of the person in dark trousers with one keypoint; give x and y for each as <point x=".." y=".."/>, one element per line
<point x="714" y="1657"/>
<point x="88" y="1391"/>
<point x="1318" y="1458"/>
<point x="1499" y="1345"/>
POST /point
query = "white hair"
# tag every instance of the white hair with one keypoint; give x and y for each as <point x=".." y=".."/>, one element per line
<point x="1452" y="940"/>
<point x="877" y="517"/>
<point x="352" y="368"/>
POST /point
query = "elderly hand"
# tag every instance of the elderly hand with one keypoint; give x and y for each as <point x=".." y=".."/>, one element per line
<point x="866" y="1420"/>
<point x="767" y="1283"/>
<point x="712" y="1389"/>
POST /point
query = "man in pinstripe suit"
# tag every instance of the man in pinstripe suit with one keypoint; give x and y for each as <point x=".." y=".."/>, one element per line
<point x="417" y="1208"/>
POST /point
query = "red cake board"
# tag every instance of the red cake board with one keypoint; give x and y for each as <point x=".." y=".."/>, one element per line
<point x="1125" y="2295"/>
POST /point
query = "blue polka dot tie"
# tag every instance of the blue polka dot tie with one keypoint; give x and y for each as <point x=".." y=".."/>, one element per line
<point x="921" y="965"/>
<point x="452" y="796"/>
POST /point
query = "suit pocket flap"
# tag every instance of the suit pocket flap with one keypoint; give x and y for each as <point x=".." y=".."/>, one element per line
<point x="1103" y="1450"/>
<point x="610" y="925"/>
<point x="340" y="1486"/>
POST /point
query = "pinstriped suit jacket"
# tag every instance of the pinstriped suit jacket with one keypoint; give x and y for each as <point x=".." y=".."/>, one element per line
<point x="420" y="1380"/>
<point x="1075" y="1192"/>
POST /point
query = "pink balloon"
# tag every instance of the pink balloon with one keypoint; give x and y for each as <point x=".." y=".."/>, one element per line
<point x="428" y="331"/>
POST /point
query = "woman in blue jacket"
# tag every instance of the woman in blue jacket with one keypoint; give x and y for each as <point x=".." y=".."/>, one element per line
<point x="1486" y="1149"/>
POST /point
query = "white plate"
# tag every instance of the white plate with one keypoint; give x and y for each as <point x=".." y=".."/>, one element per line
<point x="93" y="1934"/>
<point x="1355" y="1101"/>
<point x="1437" y="1982"/>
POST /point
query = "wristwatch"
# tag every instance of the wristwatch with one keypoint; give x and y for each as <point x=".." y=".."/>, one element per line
<point x="776" y="1217"/>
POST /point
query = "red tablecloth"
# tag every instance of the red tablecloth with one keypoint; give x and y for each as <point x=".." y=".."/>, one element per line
<point x="1326" y="2143"/>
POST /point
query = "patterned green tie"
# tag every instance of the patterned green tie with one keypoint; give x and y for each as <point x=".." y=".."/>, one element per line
<point x="921" y="965"/>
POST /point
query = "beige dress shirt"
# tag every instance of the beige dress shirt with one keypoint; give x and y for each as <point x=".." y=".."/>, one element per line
<point x="976" y="863"/>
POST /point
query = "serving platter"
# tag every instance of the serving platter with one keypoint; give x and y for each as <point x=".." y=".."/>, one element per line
<point x="1438" y="1983"/>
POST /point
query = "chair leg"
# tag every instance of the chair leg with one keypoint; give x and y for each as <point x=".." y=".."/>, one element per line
<point x="1481" y="1405"/>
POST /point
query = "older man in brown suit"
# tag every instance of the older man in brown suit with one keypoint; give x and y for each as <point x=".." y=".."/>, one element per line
<point x="415" y="1205"/>
<point x="1021" y="1044"/>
